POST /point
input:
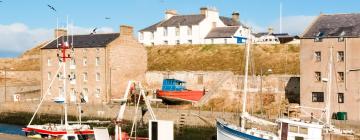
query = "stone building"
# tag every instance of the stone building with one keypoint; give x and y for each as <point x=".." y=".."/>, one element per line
<point x="341" y="33"/>
<point x="208" y="27"/>
<point x="99" y="69"/>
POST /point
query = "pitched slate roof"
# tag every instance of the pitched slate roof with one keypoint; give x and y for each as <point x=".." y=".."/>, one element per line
<point x="336" y="25"/>
<point x="182" y="20"/>
<point x="230" y="22"/>
<point x="85" y="41"/>
<point x="222" y="32"/>
<point x="187" y="20"/>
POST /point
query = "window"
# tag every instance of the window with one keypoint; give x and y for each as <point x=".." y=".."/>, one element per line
<point x="293" y="128"/>
<point x="61" y="90"/>
<point x="49" y="76"/>
<point x="303" y="130"/>
<point x="72" y="62"/>
<point x="317" y="56"/>
<point x="177" y="31"/>
<point x="212" y="41"/>
<point x="60" y="75"/>
<point x="318" y="97"/>
<point x="97" y="92"/>
<point x="165" y="31"/>
<point x="97" y="76"/>
<point x="49" y="61"/>
<point x="189" y="41"/>
<point x="84" y="61"/>
<point x="166" y="42"/>
<point x="97" y="50"/>
<point x="152" y="44"/>
<point x="85" y="76"/>
<point x="225" y="41"/>
<point x="152" y="35"/>
<point x="189" y="30"/>
<point x="318" y="76"/>
<point x="85" y="92"/>
<point x="340" y="76"/>
<point x="97" y="61"/>
<point x="340" y="56"/>
<point x="177" y="42"/>
<point x="340" y="97"/>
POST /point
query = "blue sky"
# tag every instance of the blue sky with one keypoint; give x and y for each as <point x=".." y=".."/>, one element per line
<point x="24" y="23"/>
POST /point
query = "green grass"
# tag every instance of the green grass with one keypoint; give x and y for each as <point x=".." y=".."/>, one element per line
<point x="280" y="58"/>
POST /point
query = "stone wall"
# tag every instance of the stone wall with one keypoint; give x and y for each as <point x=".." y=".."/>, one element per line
<point x="111" y="111"/>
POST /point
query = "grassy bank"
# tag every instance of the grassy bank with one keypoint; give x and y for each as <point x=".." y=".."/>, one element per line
<point x="280" y="58"/>
<point x="23" y="118"/>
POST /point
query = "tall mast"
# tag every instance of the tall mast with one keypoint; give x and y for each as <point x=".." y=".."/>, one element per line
<point x="329" y="84"/>
<point x="280" y="17"/>
<point x="248" y="41"/>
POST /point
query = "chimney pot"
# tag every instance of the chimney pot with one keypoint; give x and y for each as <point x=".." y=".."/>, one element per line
<point x="203" y="10"/>
<point x="126" y="30"/>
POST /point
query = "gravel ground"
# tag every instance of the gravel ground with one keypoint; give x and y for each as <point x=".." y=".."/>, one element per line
<point x="12" y="137"/>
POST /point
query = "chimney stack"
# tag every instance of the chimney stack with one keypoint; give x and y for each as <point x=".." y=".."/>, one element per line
<point x="203" y="10"/>
<point x="170" y="13"/>
<point x="59" y="32"/>
<point x="126" y="30"/>
<point x="235" y="16"/>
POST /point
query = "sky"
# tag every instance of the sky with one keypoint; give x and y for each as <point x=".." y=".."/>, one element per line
<point x="26" y="23"/>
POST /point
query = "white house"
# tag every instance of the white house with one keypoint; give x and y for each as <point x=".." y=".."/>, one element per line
<point x="204" y="28"/>
<point x="274" y="38"/>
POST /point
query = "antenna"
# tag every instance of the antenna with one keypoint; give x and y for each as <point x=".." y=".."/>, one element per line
<point x="280" y="17"/>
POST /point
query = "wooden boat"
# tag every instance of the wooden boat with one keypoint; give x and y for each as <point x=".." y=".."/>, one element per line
<point x="174" y="92"/>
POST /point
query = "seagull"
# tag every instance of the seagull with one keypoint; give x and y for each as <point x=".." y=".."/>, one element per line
<point x="51" y="7"/>
<point x="107" y="18"/>
<point x="93" y="31"/>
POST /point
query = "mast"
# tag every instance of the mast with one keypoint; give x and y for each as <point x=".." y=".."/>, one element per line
<point x="280" y="17"/>
<point x="329" y="84"/>
<point x="248" y="41"/>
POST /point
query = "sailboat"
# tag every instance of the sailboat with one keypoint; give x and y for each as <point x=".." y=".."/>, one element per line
<point x="63" y="131"/>
<point x="227" y="131"/>
<point x="288" y="128"/>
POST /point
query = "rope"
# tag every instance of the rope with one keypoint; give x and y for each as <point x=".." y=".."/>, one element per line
<point x="46" y="93"/>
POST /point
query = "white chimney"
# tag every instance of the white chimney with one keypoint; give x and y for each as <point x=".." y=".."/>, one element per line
<point x="169" y="14"/>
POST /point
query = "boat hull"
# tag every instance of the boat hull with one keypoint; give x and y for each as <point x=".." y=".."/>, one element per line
<point x="224" y="132"/>
<point x="180" y="97"/>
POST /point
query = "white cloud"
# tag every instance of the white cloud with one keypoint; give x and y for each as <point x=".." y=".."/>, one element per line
<point x="294" y="25"/>
<point x="18" y="37"/>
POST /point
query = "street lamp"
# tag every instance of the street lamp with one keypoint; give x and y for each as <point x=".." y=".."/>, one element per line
<point x="5" y="69"/>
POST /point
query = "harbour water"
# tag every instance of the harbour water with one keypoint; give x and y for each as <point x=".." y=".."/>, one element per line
<point x="11" y="129"/>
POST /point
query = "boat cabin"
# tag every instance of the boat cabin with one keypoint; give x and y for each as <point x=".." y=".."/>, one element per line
<point x="173" y="85"/>
<point x="291" y="129"/>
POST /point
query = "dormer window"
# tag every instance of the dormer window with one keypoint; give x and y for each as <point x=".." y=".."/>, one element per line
<point x="318" y="37"/>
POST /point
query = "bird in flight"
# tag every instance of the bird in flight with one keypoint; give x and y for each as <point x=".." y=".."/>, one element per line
<point x="107" y="18"/>
<point x="51" y="7"/>
<point x="93" y="31"/>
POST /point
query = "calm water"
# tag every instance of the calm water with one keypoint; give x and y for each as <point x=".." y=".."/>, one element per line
<point x="11" y="129"/>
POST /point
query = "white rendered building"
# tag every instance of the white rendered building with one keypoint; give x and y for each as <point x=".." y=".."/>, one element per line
<point x="204" y="28"/>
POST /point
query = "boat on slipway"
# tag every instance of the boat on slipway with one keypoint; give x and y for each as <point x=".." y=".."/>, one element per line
<point x="174" y="91"/>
